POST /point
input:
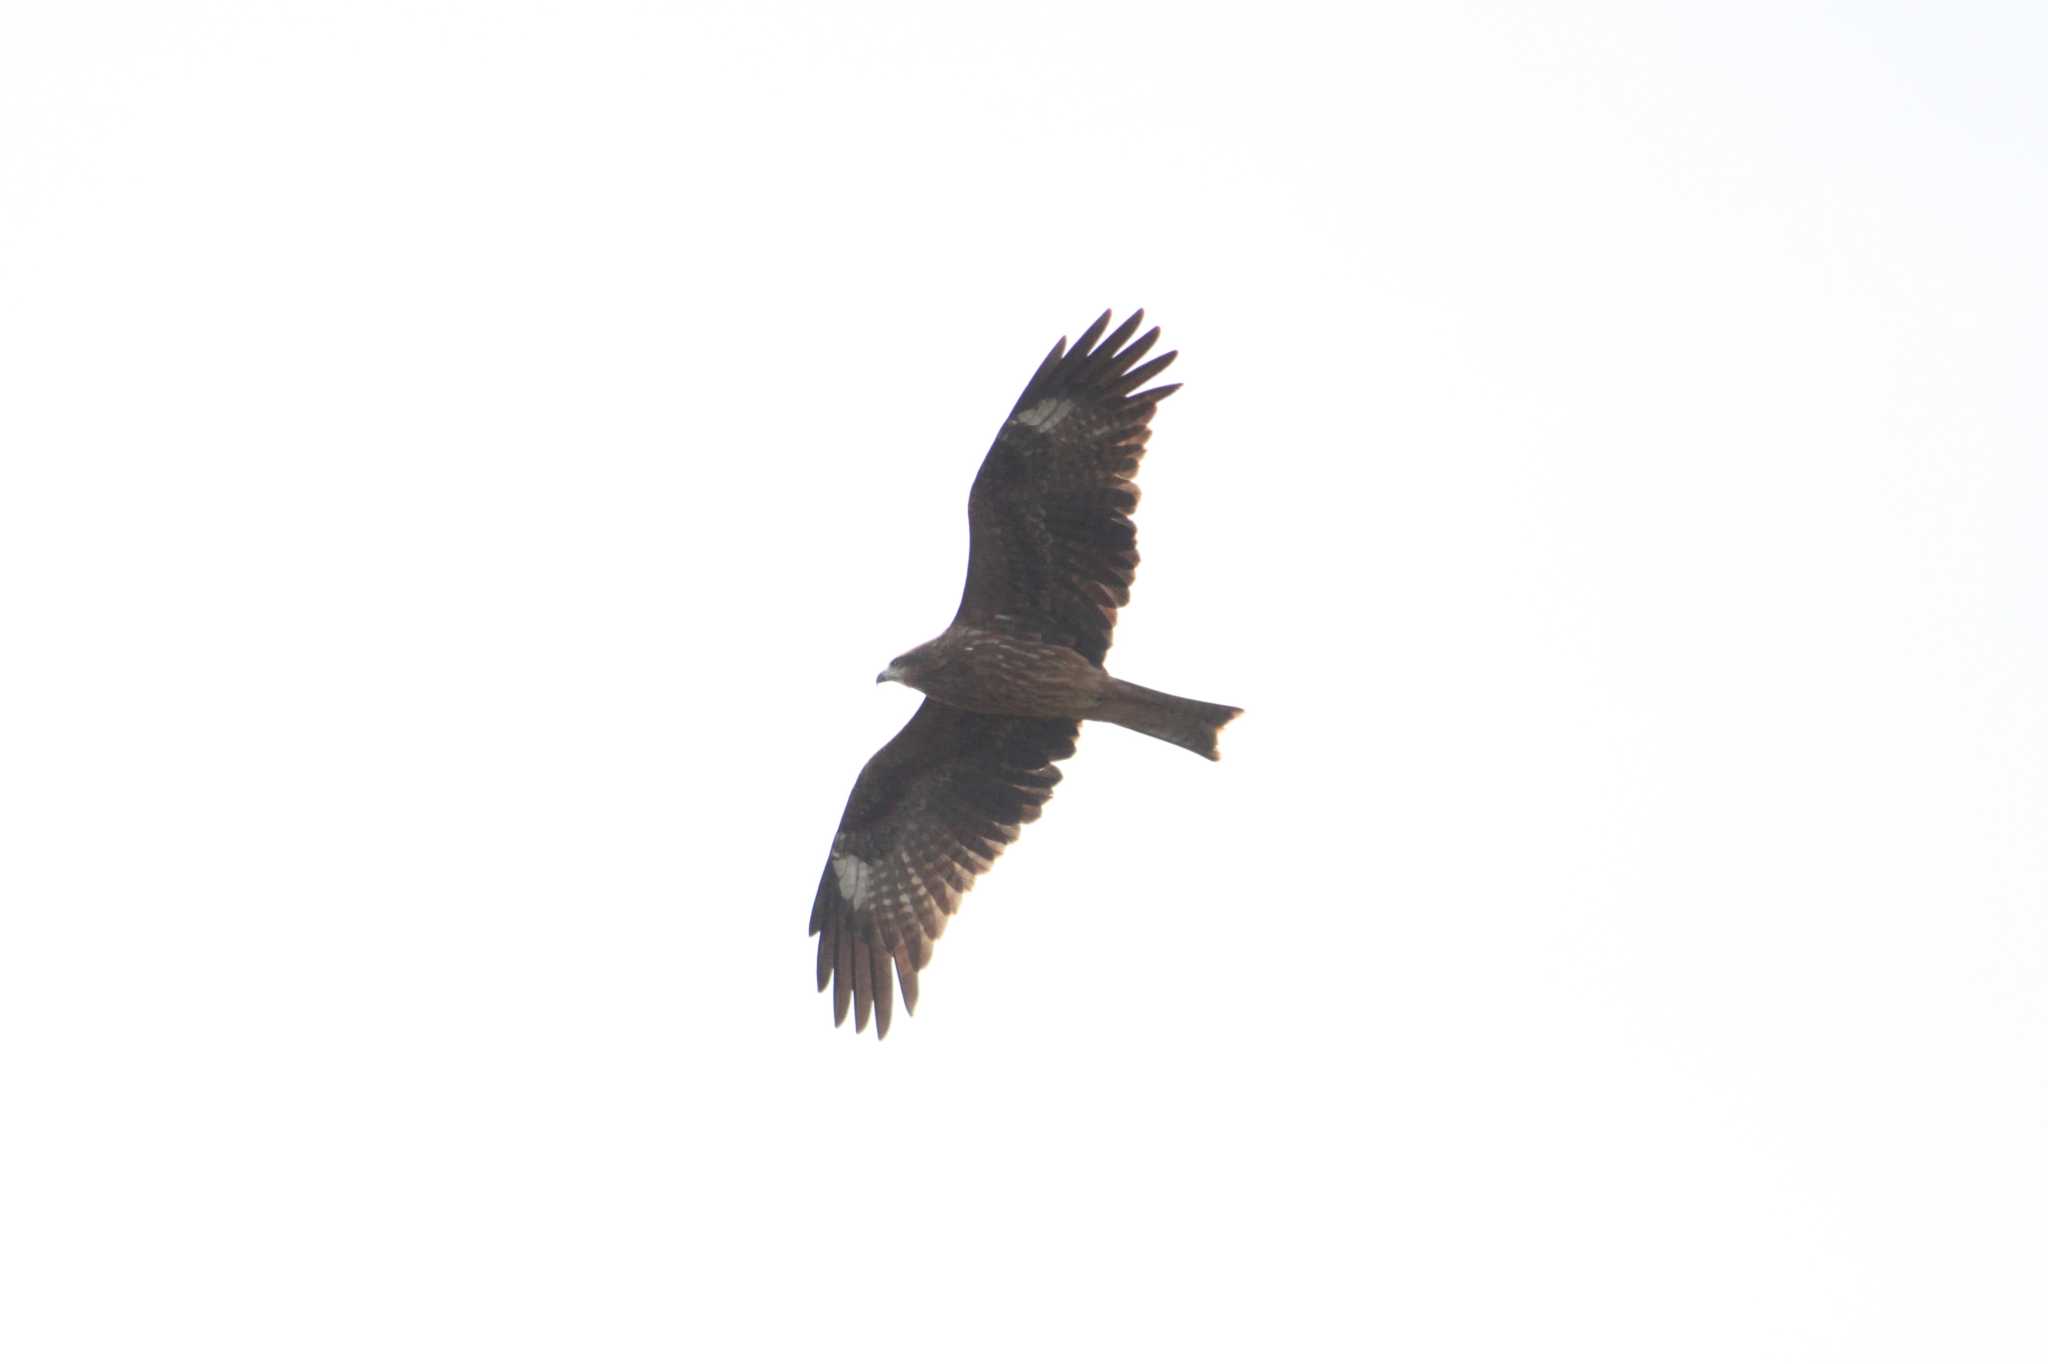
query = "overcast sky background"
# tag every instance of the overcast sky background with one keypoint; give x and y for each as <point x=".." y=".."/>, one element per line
<point x="465" y="464"/>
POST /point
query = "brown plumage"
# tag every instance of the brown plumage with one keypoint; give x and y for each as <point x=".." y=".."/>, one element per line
<point x="1051" y="558"/>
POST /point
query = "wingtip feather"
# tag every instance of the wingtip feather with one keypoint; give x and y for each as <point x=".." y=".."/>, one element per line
<point x="1132" y="378"/>
<point x="885" y="993"/>
<point x="1094" y="333"/>
<point x="906" y="976"/>
<point x="1114" y="343"/>
<point x="1047" y="365"/>
<point x="1133" y="353"/>
<point x="842" y="979"/>
<point x="863" y="986"/>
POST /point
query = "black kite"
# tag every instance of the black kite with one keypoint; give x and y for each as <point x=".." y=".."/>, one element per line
<point x="1050" y="560"/>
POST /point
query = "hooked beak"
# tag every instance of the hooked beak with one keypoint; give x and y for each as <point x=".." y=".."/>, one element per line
<point x="887" y="674"/>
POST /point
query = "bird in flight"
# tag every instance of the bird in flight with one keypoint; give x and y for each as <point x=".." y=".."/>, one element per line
<point x="1050" y="559"/>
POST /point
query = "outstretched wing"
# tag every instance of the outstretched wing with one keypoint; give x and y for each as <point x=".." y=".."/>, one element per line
<point x="1053" y="550"/>
<point x="933" y="809"/>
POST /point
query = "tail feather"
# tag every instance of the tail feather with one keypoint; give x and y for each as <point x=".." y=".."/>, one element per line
<point x="1191" y="724"/>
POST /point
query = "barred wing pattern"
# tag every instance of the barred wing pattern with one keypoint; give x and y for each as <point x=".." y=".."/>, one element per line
<point x="931" y="810"/>
<point x="1053" y="551"/>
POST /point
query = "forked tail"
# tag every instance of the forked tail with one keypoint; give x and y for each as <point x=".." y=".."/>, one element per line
<point x="1191" y="724"/>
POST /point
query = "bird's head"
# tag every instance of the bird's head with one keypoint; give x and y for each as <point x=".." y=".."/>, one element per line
<point x="906" y="668"/>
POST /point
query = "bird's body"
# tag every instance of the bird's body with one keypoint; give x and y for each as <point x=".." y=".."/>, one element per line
<point x="992" y="673"/>
<point x="1007" y="684"/>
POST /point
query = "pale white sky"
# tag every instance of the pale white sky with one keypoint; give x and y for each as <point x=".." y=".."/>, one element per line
<point x="464" y="465"/>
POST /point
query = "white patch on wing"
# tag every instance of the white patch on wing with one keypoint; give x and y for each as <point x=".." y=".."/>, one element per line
<point x="1046" y="413"/>
<point x="855" y="877"/>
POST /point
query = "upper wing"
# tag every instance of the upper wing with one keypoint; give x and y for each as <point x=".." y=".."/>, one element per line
<point x="1053" y="550"/>
<point x="931" y="810"/>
